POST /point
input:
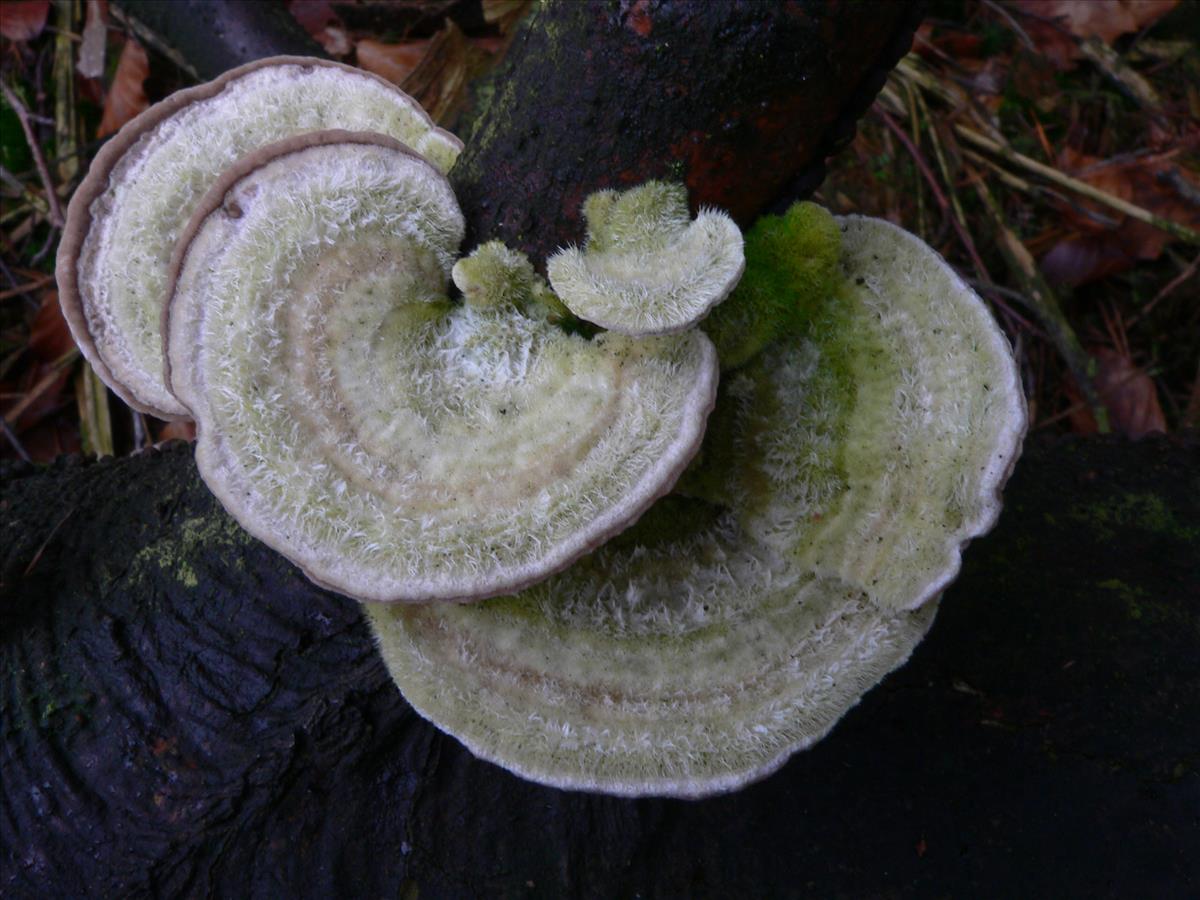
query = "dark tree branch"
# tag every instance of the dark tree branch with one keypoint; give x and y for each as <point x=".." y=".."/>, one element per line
<point x="740" y="100"/>
<point x="183" y="713"/>
<point x="208" y="37"/>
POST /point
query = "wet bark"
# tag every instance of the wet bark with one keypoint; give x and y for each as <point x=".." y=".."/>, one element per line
<point x="182" y="712"/>
<point x="208" y="37"/>
<point x="742" y="101"/>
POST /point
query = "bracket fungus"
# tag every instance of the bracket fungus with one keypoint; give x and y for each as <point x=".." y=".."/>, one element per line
<point x="124" y="219"/>
<point x="852" y="459"/>
<point x="394" y="444"/>
<point x="646" y="267"/>
<point x="403" y="445"/>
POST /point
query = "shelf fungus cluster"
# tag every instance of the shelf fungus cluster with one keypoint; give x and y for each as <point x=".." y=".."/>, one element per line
<point x="679" y="584"/>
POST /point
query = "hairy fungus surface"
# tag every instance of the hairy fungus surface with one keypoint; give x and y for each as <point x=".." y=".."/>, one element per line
<point x="125" y="217"/>
<point x="792" y="261"/>
<point x="402" y="445"/>
<point x="845" y="467"/>
<point x="647" y="268"/>
<point x="395" y="444"/>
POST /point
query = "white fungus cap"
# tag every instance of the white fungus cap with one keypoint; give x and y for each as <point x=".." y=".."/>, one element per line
<point x="395" y="445"/>
<point x="124" y="219"/>
<point x="697" y="652"/>
<point x="647" y="268"/>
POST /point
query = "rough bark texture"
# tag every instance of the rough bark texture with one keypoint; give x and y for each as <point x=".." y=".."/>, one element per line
<point x="183" y="713"/>
<point x="740" y="100"/>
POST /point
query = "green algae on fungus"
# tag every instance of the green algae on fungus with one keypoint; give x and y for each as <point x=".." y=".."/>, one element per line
<point x="792" y="266"/>
<point x="862" y="448"/>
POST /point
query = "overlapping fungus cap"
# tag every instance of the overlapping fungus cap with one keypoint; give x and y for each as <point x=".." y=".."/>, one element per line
<point x="647" y="268"/>
<point x="125" y="217"/>
<point x="845" y="467"/>
<point x="395" y="444"/>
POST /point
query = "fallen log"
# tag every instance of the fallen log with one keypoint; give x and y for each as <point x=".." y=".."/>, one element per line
<point x="184" y="713"/>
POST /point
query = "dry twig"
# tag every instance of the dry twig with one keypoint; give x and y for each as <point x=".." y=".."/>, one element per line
<point x="1167" y="290"/>
<point x="1182" y="232"/>
<point x="14" y="440"/>
<point x="938" y="194"/>
<point x="55" y="207"/>
<point x="21" y="289"/>
<point x="1041" y="301"/>
<point x="44" y="384"/>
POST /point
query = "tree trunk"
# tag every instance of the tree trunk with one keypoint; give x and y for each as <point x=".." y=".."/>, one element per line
<point x="184" y="713"/>
<point x="742" y="101"/>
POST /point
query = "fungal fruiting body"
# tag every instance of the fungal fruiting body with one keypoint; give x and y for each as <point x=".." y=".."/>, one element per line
<point x="846" y="465"/>
<point x="402" y="445"/>
<point x="647" y="268"/>
<point x="126" y="216"/>
<point x="394" y="444"/>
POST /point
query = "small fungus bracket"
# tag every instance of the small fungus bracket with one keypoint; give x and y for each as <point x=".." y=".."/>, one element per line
<point x="125" y="217"/>
<point x="395" y="444"/>
<point x="647" y="268"/>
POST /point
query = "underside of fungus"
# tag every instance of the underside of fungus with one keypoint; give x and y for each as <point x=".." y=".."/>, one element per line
<point x="647" y="268"/>
<point x="395" y="444"/>
<point x="125" y="217"/>
<point x="845" y="467"/>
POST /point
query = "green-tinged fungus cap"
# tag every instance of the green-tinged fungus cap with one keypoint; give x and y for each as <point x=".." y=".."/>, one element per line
<point x="142" y="187"/>
<point x="697" y="651"/>
<point x="647" y="268"/>
<point x="396" y="445"/>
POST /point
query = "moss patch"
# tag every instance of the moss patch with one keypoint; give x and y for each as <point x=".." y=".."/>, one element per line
<point x="1148" y="512"/>
<point x="171" y="555"/>
<point x="792" y="268"/>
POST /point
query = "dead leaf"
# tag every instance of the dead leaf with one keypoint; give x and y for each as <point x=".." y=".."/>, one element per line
<point x="439" y="82"/>
<point x="49" y="336"/>
<point x="1103" y="19"/>
<point x="95" y="40"/>
<point x="1055" y="25"/>
<point x="177" y="431"/>
<point x="1100" y="241"/>
<point x="38" y="394"/>
<point x="35" y="390"/>
<point x="946" y="42"/>
<point x="314" y="15"/>
<point x="322" y="22"/>
<point x="1129" y="394"/>
<point x="126" y="96"/>
<point x="395" y="62"/>
<point x="23" y="20"/>
<point x="1083" y="258"/>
